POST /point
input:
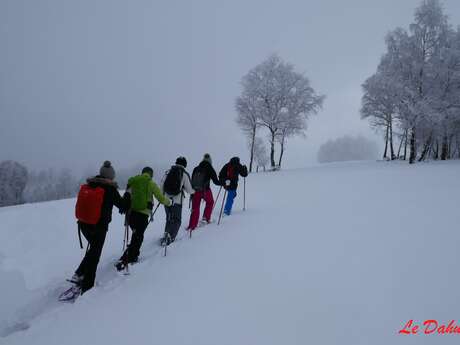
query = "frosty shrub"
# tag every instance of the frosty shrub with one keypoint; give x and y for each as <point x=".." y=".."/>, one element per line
<point x="13" y="180"/>
<point x="347" y="148"/>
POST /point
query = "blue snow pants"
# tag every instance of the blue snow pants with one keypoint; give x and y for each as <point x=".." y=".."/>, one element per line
<point x="231" y="194"/>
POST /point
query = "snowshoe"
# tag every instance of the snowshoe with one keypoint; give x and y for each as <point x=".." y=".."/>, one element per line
<point x="120" y="265"/>
<point x="71" y="294"/>
<point x="166" y="240"/>
<point x="204" y="222"/>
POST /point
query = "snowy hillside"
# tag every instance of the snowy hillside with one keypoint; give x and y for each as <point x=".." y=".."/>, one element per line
<point x="338" y="254"/>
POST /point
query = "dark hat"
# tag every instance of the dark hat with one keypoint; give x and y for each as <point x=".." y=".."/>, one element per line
<point x="207" y="158"/>
<point x="235" y="160"/>
<point x="107" y="170"/>
<point x="181" y="161"/>
<point x="148" y="170"/>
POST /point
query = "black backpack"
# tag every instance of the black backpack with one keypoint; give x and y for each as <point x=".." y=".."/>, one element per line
<point x="198" y="179"/>
<point x="173" y="181"/>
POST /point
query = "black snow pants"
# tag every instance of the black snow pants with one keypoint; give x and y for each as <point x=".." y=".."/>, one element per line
<point x="95" y="235"/>
<point x="138" y="223"/>
<point x="173" y="220"/>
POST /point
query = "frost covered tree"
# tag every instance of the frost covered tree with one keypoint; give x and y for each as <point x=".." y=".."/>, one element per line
<point x="278" y="99"/>
<point x="66" y="185"/>
<point x="294" y="124"/>
<point x="246" y="107"/>
<point x="260" y="154"/>
<point x="13" y="180"/>
<point x="417" y="85"/>
<point x="379" y="105"/>
<point x="48" y="185"/>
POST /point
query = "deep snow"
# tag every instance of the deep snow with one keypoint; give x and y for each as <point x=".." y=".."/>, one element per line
<point x="336" y="254"/>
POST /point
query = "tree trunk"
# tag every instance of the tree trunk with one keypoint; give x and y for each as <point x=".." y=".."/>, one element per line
<point x="405" y="144"/>
<point x="257" y="169"/>
<point x="272" y="149"/>
<point x="457" y="143"/>
<point x="413" y="146"/>
<point x="450" y="154"/>
<point x="436" y="150"/>
<point x="400" y="144"/>
<point x="426" y="149"/>
<point x="444" y="148"/>
<point x="282" y="152"/>
<point x="253" y="139"/>
<point x="392" y="152"/>
<point x="386" y="142"/>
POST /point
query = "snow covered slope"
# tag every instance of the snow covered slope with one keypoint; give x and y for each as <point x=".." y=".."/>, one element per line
<point x="337" y="254"/>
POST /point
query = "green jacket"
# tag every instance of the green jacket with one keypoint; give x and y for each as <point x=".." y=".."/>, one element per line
<point x="142" y="189"/>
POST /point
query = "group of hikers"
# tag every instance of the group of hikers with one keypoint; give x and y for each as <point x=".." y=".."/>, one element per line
<point x="97" y="197"/>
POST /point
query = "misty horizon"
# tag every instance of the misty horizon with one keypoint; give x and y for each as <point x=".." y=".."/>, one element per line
<point x="147" y="82"/>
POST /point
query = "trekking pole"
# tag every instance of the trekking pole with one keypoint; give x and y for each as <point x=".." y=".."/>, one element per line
<point x="79" y="235"/>
<point x="222" y="208"/>
<point x="167" y="237"/>
<point x="126" y="243"/>
<point x="244" y="194"/>
<point x="153" y="213"/>
<point x="217" y="200"/>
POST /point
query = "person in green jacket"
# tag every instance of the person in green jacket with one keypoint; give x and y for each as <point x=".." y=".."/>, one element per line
<point x="140" y="191"/>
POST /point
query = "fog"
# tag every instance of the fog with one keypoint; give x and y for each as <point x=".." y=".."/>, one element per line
<point x="347" y="148"/>
<point x="86" y="81"/>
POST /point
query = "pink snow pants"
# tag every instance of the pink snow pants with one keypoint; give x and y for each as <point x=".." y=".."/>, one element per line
<point x="196" y="202"/>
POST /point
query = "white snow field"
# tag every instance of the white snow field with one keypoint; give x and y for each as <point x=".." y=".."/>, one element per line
<point x="335" y="254"/>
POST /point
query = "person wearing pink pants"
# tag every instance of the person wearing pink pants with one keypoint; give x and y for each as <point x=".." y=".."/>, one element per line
<point x="201" y="178"/>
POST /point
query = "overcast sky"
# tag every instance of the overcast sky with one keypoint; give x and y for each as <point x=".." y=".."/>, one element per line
<point x="84" y="81"/>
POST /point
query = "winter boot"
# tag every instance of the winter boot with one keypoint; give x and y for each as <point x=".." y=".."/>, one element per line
<point x="76" y="279"/>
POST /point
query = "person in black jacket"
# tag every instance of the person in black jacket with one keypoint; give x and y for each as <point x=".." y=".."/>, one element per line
<point x="201" y="178"/>
<point x="228" y="177"/>
<point x="95" y="234"/>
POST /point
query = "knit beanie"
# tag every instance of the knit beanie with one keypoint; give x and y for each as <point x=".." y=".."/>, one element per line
<point x="207" y="158"/>
<point x="107" y="171"/>
<point x="181" y="161"/>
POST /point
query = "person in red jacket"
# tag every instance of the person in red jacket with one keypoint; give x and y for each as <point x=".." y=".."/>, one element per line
<point x="201" y="178"/>
<point x="228" y="177"/>
<point x="85" y="274"/>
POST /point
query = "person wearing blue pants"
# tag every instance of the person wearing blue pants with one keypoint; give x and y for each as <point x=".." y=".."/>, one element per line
<point x="228" y="177"/>
<point x="231" y="195"/>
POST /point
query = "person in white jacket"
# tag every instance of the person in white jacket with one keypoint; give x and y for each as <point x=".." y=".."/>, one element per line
<point x="175" y="182"/>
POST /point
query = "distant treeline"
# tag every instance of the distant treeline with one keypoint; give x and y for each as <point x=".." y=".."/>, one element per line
<point x="18" y="185"/>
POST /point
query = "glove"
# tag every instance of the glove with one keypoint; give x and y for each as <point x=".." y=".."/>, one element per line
<point x="227" y="183"/>
<point x="126" y="205"/>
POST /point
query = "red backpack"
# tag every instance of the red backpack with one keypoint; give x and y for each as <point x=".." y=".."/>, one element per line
<point x="89" y="204"/>
<point x="230" y="172"/>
